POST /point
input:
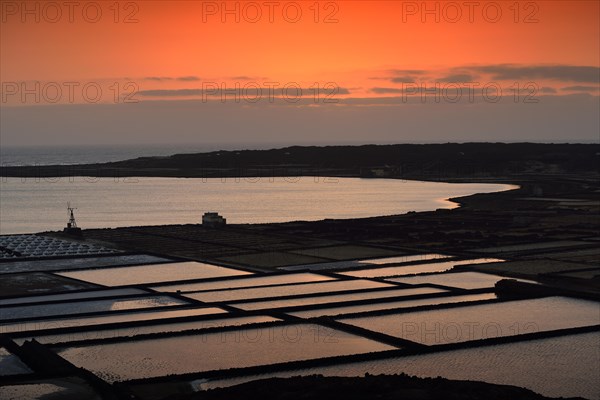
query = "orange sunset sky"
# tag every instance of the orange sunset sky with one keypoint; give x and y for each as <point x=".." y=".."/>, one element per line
<point x="368" y="49"/>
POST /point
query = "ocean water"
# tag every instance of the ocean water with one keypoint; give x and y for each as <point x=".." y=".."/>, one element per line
<point x="88" y="154"/>
<point x="66" y="155"/>
<point x="34" y="205"/>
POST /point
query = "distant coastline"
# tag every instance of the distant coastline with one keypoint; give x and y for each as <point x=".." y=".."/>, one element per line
<point x="451" y="162"/>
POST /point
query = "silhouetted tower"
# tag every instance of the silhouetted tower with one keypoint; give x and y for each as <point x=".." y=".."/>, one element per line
<point x="71" y="223"/>
<point x="71" y="228"/>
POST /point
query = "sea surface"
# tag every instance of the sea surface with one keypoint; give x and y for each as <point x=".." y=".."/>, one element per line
<point x="29" y="205"/>
<point x="68" y="155"/>
<point x="33" y="205"/>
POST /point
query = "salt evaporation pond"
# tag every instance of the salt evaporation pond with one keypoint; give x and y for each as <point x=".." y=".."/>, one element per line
<point x="244" y="282"/>
<point x="81" y="307"/>
<point x="286" y="290"/>
<point x="70" y="322"/>
<point x="72" y="296"/>
<point x="330" y="299"/>
<point x="389" y="305"/>
<point x="147" y="358"/>
<point x="462" y="280"/>
<point x="135" y="275"/>
<point x="148" y="329"/>
<point x="415" y="269"/>
<point x="461" y="324"/>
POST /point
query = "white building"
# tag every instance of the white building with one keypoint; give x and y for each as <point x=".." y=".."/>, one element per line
<point x="213" y="220"/>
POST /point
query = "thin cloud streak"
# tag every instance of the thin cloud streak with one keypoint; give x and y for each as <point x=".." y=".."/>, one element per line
<point x="573" y="73"/>
<point x="252" y="91"/>
<point x="189" y="78"/>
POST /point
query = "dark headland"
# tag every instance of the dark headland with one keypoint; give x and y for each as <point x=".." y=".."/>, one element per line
<point x="450" y="161"/>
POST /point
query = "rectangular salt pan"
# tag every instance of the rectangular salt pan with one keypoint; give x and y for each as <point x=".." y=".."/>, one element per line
<point x="304" y="301"/>
<point x="414" y="269"/>
<point x="73" y="296"/>
<point x="58" y="388"/>
<point x="77" y="263"/>
<point x="390" y="305"/>
<point x="286" y="290"/>
<point x="59" y="323"/>
<point x="47" y="246"/>
<point x="466" y="323"/>
<point x="405" y="259"/>
<point x="152" y="273"/>
<point x="244" y="282"/>
<point x="462" y="280"/>
<point x="364" y="263"/>
<point x="81" y="307"/>
<point x="531" y="246"/>
<point x="148" y="329"/>
<point x="214" y="351"/>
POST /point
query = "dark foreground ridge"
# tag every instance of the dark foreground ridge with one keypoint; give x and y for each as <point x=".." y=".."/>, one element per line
<point x="382" y="387"/>
<point x="416" y="161"/>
